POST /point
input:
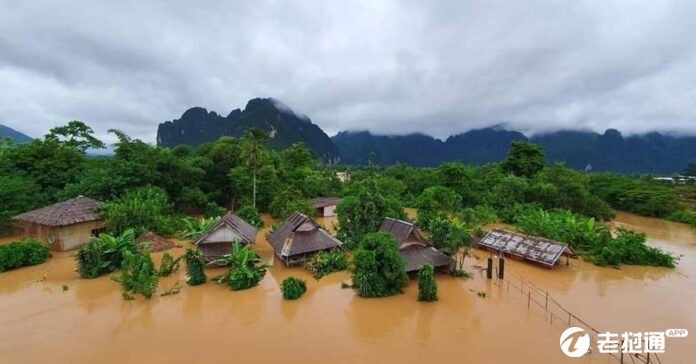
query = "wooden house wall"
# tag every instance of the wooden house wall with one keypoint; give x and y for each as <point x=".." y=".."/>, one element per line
<point x="64" y="237"/>
<point x="223" y="234"/>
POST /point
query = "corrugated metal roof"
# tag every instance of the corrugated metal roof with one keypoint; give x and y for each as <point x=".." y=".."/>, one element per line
<point x="535" y="249"/>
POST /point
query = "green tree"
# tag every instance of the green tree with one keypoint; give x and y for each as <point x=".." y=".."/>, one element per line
<point x="379" y="268"/>
<point x="427" y="286"/>
<point x="436" y="201"/>
<point x="524" y="159"/>
<point x="142" y="209"/>
<point x="138" y="275"/>
<point x="194" y="267"/>
<point x="17" y="194"/>
<point x="254" y="140"/>
<point x="76" y="135"/>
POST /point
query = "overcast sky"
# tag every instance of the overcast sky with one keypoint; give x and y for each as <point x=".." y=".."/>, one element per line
<point x="390" y="67"/>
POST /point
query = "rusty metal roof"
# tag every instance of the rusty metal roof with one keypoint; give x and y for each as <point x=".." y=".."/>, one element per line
<point x="535" y="249"/>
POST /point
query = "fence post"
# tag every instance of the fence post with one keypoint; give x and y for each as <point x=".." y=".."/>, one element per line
<point x="546" y="304"/>
<point x="489" y="268"/>
<point x="529" y="298"/>
<point x="568" y="318"/>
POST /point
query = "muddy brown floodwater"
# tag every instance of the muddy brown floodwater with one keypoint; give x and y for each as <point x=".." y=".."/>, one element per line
<point x="39" y="322"/>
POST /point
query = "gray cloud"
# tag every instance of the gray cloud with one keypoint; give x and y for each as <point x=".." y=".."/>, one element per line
<point x="388" y="66"/>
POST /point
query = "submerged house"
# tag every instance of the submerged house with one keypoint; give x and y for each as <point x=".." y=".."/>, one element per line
<point x="325" y="206"/>
<point x="217" y="241"/>
<point x="416" y="250"/>
<point x="65" y="225"/>
<point x="300" y="237"/>
<point x="542" y="251"/>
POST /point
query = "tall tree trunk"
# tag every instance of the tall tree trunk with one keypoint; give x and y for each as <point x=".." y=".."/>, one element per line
<point x="254" y="202"/>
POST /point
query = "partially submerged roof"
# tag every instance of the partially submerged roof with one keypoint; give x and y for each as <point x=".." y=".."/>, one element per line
<point x="235" y="225"/>
<point x="72" y="211"/>
<point x="320" y="202"/>
<point x="417" y="256"/>
<point x="300" y="234"/>
<point x="403" y="231"/>
<point x="536" y="249"/>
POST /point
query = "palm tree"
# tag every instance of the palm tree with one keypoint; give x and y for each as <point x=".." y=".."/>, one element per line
<point x="255" y="139"/>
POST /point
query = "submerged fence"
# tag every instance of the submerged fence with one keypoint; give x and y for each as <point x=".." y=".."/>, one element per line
<point x="535" y="298"/>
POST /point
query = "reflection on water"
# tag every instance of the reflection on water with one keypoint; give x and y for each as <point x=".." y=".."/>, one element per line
<point x="91" y="323"/>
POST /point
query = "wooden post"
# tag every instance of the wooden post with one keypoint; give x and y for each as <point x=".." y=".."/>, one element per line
<point x="489" y="269"/>
<point x="529" y="298"/>
<point x="648" y="362"/>
<point x="568" y="318"/>
<point x="508" y="284"/>
<point x="546" y="304"/>
<point x="621" y="358"/>
<point x="501" y="266"/>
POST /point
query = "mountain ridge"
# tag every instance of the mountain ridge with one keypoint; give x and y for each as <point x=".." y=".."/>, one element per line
<point x="19" y="137"/>
<point x="579" y="149"/>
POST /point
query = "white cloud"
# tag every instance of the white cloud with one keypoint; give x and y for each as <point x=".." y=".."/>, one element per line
<point x="387" y="66"/>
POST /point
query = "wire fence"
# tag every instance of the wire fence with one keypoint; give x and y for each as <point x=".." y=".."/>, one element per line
<point x="556" y="314"/>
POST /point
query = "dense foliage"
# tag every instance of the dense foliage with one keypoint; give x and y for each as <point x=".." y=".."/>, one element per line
<point x="168" y="265"/>
<point x="326" y="262"/>
<point x="251" y="215"/>
<point x="379" y="268"/>
<point x="524" y="159"/>
<point x="138" y="275"/>
<point x="104" y="254"/>
<point x="592" y="239"/>
<point x="247" y="270"/>
<point x="293" y="288"/>
<point x="195" y="228"/>
<point x="194" y="267"/>
<point x="427" y="286"/>
<point x="143" y="209"/>
<point x="22" y="253"/>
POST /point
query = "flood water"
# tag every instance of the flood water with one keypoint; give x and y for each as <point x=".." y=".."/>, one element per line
<point x="39" y="322"/>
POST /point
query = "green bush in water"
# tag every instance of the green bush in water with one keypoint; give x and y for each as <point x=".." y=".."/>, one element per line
<point x="247" y="270"/>
<point x="379" y="268"/>
<point x="327" y="262"/>
<point x="104" y="254"/>
<point x="168" y="265"/>
<point x="293" y="288"/>
<point x="138" y="274"/>
<point x="251" y="215"/>
<point x="194" y="267"/>
<point x="22" y="253"/>
<point x="195" y="228"/>
<point x="427" y="286"/>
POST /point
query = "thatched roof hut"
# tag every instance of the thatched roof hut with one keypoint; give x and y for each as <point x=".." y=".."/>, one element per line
<point x="416" y="250"/>
<point x="542" y="251"/>
<point x="300" y="237"/>
<point x="217" y="241"/>
<point x="325" y="206"/>
<point x="65" y="225"/>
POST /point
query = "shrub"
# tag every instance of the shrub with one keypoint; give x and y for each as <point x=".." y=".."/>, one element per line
<point x="293" y="288"/>
<point x="379" y="268"/>
<point x="213" y="210"/>
<point x="194" y="267"/>
<point x="251" y="215"/>
<point x="22" y="253"/>
<point x="195" y="228"/>
<point x="427" y="286"/>
<point x="104" y="254"/>
<point x="168" y="265"/>
<point x="138" y="274"/>
<point x="247" y="270"/>
<point x="327" y="262"/>
<point x="143" y="209"/>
